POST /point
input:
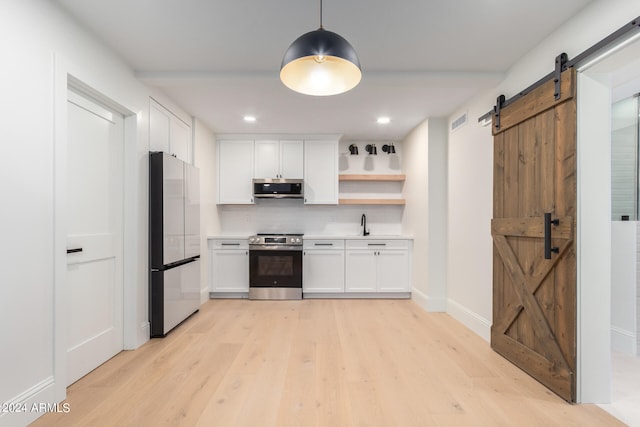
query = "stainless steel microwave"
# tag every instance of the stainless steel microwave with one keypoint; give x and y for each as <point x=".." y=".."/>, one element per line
<point x="280" y="188"/>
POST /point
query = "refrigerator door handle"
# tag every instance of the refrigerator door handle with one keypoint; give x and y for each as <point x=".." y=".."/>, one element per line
<point x="179" y="263"/>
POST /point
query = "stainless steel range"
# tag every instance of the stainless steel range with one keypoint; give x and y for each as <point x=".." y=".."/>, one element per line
<point x="275" y="266"/>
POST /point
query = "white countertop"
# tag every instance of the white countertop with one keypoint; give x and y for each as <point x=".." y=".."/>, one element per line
<point x="352" y="237"/>
<point x="326" y="237"/>
<point x="229" y="236"/>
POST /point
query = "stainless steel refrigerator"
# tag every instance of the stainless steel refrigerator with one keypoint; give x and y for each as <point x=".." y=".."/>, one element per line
<point x="174" y="242"/>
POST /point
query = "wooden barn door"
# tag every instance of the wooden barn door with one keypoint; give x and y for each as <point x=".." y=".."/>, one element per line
<point x="534" y="205"/>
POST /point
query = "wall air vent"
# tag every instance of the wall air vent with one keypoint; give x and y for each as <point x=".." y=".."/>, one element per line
<point x="460" y="121"/>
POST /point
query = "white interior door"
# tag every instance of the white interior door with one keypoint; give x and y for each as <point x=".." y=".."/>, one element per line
<point x="94" y="241"/>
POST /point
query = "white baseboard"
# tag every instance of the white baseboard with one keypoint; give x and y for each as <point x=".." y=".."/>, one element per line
<point x="623" y="341"/>
<point x="30" y="405"/>
<point x="429" y="304"/>
<point x="204" y="295"/>
<point x="470" y="319"/>
<point x="146" y="332"/>
<point x="357" y="295"/>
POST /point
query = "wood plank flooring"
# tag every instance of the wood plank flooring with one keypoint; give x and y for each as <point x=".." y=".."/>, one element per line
<point x="316" y="363"/>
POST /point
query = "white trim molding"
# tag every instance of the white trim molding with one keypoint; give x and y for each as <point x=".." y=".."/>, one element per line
<point x="624" y="341"/>
<point x="429" y="304"/>
<point x="470" y="319"/>
<point x="30" y="404"/>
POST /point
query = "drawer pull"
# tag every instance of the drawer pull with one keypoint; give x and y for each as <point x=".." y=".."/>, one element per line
<point x="231" y="244"/>
<point x="323" y="244"/>
<point x="74" y="250"/>
<point x="377" y="244"/>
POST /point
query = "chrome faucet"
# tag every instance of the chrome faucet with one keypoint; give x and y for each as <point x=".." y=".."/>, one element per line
<point x="363" y="223"/>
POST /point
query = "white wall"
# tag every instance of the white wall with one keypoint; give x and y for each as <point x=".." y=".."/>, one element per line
<point x="425" y="151"/>
<point x="437" y="241"/>
<point x="624" y="256"/>
<point x="415" y="220"/>
<point x="205" y="159"/>
<point x="470" y="208"/>
<point x="37" y="40"/>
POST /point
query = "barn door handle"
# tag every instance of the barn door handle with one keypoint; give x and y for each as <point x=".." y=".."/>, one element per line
<point x="547" y="235"/>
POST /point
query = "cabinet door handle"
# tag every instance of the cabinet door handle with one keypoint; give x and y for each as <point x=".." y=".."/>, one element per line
<point x="74" y="250"/>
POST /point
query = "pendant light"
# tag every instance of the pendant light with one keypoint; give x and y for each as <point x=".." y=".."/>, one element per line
<point x="320" y="63"/>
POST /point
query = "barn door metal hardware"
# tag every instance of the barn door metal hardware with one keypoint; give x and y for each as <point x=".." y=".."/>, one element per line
<point x="499" y="103"/>
<point x="548" y="249"/>
<point x="561" y="65"/>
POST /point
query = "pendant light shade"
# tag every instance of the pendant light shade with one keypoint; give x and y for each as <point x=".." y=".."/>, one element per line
<point x="320" y="63"/>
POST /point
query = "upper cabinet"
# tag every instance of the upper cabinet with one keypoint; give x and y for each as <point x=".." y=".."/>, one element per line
<point x="235" y="172"/>
<point x="240" y="161"/>
<point x="279" y="159"/>
<point x="321" y="172"/>
<point x="169" y="133"/>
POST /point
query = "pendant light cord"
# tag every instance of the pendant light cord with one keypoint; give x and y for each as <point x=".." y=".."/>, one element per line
<point x="321" y="27"/>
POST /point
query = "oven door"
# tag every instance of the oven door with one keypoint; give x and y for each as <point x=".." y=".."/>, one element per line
<point x="275" y="268"/>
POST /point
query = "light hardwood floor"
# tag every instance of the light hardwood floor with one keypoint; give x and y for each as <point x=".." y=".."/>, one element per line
<point x="316" y="363"/>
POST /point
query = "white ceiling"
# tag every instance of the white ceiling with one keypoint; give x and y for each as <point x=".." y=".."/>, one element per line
<point x="220" y="59"/>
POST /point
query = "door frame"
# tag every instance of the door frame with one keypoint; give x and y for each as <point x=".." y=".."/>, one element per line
<point x="66" y="76"/>
<point x="594" y="222"/>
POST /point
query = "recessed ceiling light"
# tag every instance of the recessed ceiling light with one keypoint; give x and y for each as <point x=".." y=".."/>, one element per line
<point x="249" y="119"/>
<point x="383" y="120"/>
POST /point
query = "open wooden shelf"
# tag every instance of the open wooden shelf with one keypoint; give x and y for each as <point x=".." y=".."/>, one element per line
<point x="371" y="201"/>
<point x="371" y="177"/>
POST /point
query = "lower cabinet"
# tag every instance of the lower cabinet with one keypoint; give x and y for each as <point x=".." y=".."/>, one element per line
<point x="330" y="266"/>
<point x="377" y="266"/>
<point x="323" y="266"/>
<point x="229" y="261"/>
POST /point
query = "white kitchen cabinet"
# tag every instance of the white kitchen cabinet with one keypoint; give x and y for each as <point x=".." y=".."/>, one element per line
<point x="377" y="266"/>
<point x="229" y="260"/>
<point x="180" y="140"/>
<point x="321" y="172"/>
<point x="169" y="133"/>
<point x="323" y="266"/>
<point x="361" y="274"/>
<point x="235" y="172"/>
<point x="393" y="271"/>
<point x="279" y="159"/>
